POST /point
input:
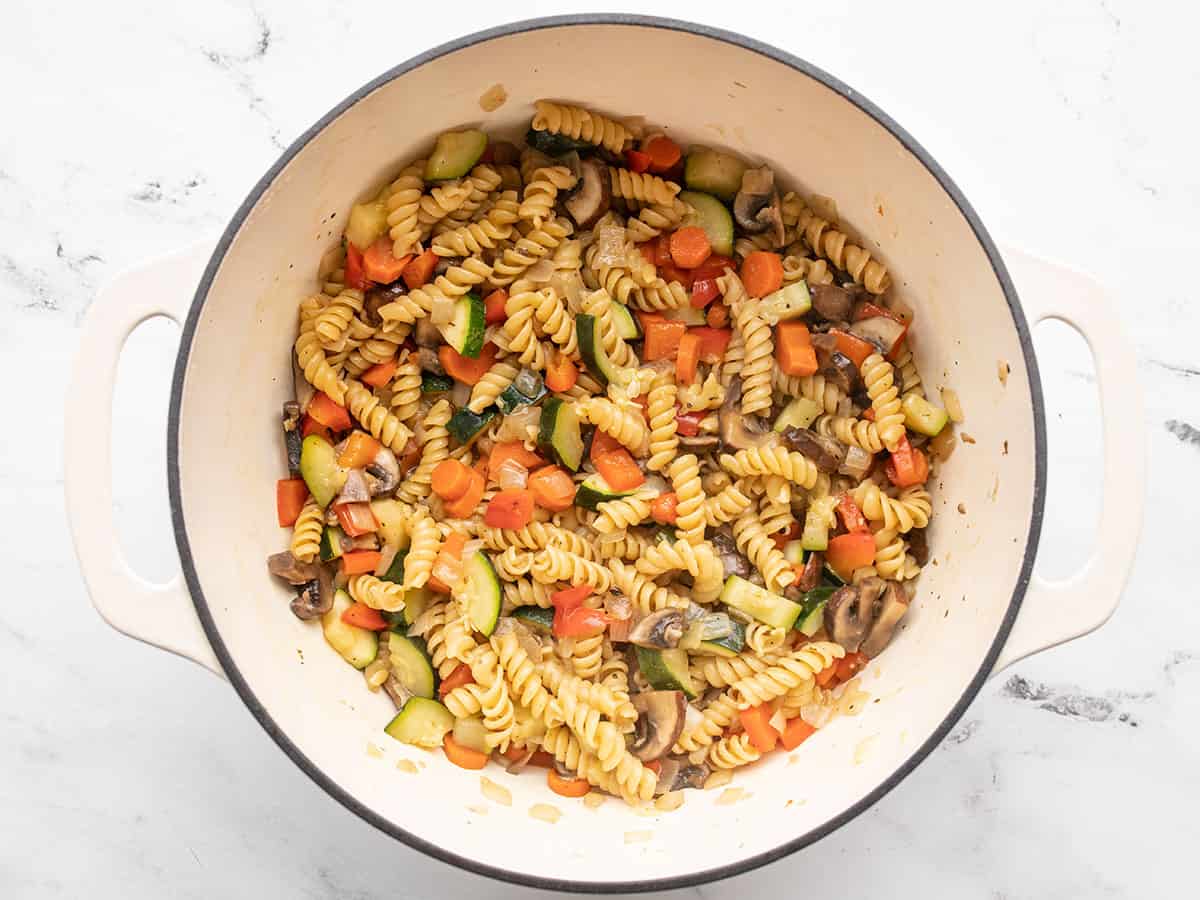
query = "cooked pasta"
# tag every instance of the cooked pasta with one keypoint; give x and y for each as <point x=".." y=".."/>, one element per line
<point x="581" y="124"/>
<point x="885" y="400"/>
<point x="472" y="238"/>
<point x="306" y="533"/>
<point x="377" y="594"/>
<point x="689" y="493"/>
<point x="537" y="205"/>
<point x="660" y="408"/>
<point x="624" y="424"/>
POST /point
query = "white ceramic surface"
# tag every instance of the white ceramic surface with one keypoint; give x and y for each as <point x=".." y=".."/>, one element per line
<point x="107" y="783"/>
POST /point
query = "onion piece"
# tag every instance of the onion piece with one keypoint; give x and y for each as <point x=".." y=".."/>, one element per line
<point x="778" y="721"/>
<point x="386" y="557"/>
<point x="528" y="382"/>
<point x="715" y="626"/>
<point x="447" y="570"/>
<point x="619" y="607"/>
<point x="692" y="718"/>
<point x="511" y="475"/>
<point x="516" y="425"/>
<point x="541" y="271"/>
<point x="460" y="394"/>
<point x="856" y="463"/>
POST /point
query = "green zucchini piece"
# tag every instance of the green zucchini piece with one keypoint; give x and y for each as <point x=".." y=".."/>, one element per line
<point x="713" y="172"/>
<point x="771" y="609"/>
<point x="789" y="302"/>
<point x="558" y="432"/>
<point x="331" y="543"/>
<point x="713" y="216"/>
<point x="454" y="154"/>
<point x="667" y="670"/>
<point x="319" y="469"/>
<point x="688" y="315"/>
<point x="800" y="413"/>
<point x="537" y="618"/>
<point x="591" y="348"/>
<point x="465" y="331"/>
<point x="435" y="384"/>
<point x="830" y="577"/>
<point x="366" y="223"/>
<point x="922" y="416"/>
<point x="793" y="552"/>
<point x="595" y="490"/>
<point x="812" y="611"/>
<point x="395" y="572"/>
<point x="481" y="593"/>
<point x="471" y="732"/>
<point x="422" y="722"/>
<point x="513" y="398"/>
<point x="625" y="322"/>
<point x="817" y="522"/>
<point x="465" y="426"/>
<point x="357" y="646"/>
<point x="409" y="661"/>
<point x="730" y="645"/>
<point x="416" y="601"/>
<point x="555" y="144"/>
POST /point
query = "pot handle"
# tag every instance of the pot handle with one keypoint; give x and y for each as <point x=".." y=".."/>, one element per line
<point x="1057" y="611"/>
<point x="159" y="614"/>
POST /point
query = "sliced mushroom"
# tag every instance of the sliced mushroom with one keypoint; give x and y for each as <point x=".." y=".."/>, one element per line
<point x="891" y="609"/>
<point x="841" y="371"/>
<point x="882" y="331"/>
<point x="592" y="195"/>
<point x="857" y="463"/>
<point x="505" y="153"/>
<point x="690" y="776"/>
<point x="811" y="576"/>
<point x="284" y="565"/>
<point x="659" y="723"/>
<point x="731" y="558"/>
<point x="918" y="546"/>
<point x="830" y="302"/>
<point x="292" y="437"/>
<point x="427" y="337"/>
<point x="826" y="453"/>
<point x="382" y="473"/>
<point x="699" y="443"/>
<point x="849" y="612"/>
<point x="355" y="490"/>
<point x="756" y="206"/>
<point x="661" y="630"/>
<point x="734" y="431"/>
<point x="379" y="295"/>
<point x="315" y="597"/>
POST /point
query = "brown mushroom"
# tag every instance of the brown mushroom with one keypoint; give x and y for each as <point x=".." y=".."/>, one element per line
<point x="284" y="565"/>
<point x="292" y="437"/>
<point x="732" y="559"/>
<point x="756" y="206"/>
<point x="592" y="194"/>
<point x="849" y="612"/>
<point x="379" y="295"/>
<point x="689" y="776"/>
<point x="699" y="443"/>
<point x="382" y="473"/>
<point x="826" y="453"/>
<point x="830" y="302"/>
<point x="315" y="597"/>
<point x="840" y="371"/>
<point x="883" y="332"/>
<point x="734" y="431"/>
<point x="891" y="609"/>
<point x="659" y="723"/>
<point x="813" y="567"/>
<point x="918" y="546"/>
<point x="356" y="489"/>
<point x="661" y="630"/>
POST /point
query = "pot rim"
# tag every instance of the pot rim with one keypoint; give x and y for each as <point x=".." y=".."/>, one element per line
<point x="415" y="841"/>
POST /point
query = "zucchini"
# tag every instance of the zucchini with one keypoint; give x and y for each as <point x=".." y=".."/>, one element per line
<point x="595" y="490"/>
<point x="454" y="154"/>
<point x="667" y="670"/>
<point x="830" y="577"/>
<point x="789" y="302"/>
<point x="357" y="646"/>
<point x="366" y="223"/>
<point x="464" y="332"/>
<point x="395" y="572"/>
<point x="800" y="413"/>
<point x="481" y="593"/>
<point x="435" y="384"/>
<point x="793" y="552"/>
<point x="391" y="515"/>
<point x="713" y="172"/>
<point x="771" y="609"/>
<point x="817" y="522"/>
<point x="591" y="348"/>
<point x="555" y="144"/>
<point x="922" y="416"/>
<point x="730" y="645"/>
<point x="472" y="733"/>
<point x="558" y="432"/>
<point x="416" y="601"/>
<point x="409" y="661"/>
<point x="712" y="215"/>
<point x="319" y="469"/>
<point x="535" y="617"/>
<point x="812" y="611"/>
<point x="513" y="397"/>
<point x="625" y="323"/>
<point x="465" y="426"/>
<point x="331" y="543"/>
<point x="422" y="722"/>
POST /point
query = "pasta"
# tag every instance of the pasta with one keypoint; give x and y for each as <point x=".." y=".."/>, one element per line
<point x="571" y="498"/>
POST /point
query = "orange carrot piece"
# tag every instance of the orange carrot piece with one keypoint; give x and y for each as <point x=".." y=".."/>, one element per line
<point x="762" y="273"/>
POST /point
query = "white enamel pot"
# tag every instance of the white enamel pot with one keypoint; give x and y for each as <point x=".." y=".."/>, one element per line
<point x="979" y="609"/>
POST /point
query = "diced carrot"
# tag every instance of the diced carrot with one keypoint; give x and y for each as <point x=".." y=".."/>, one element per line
<point x="717" y="316"/>
<point x="464" y="506"/>
<point x="379" y="265"/>
<point x="493" y="305"/>
<point x="795" y="733"/>
<point x="450" y="479"/>
<point x="464" y="368"/>
<point x="450" y="552"/>
<point x="362" y="616"/>
<point x="850" y="665"/>
<point x="868" y="414"/>
<point x="687" y="359"/>
<point x="355" y="278"/>
<point x="794" y="350"/>
<point x="463" y="757"/>
<point x="827" y="675"/>
<point x="603" y="443"/>
<point x="552" y="488"/>
<point x="690" y="246"/>
<point x="380" y="373"/>
<point x="503" y="450"/>
<point x="419" y="270"/>
<point x="646" y="248"/>
<point x="851" y="551"/>
<point x="662" y="340"/>
<point x="645" y="319"/>
<point x="310" y="426"/>
<point x="571" y="598"/>
<point x="561" y="373"/>
<point x="906" y="465"/>
<point x="756" y="723"/>
<point x="566" y="787"/>
<point x="460" y="676"/>
<point x="637" y="160"/>
<point x="356" y="562"/>
<point x="540" y="758"/>
<point x="671" y="272"/>
<point x="762" y="273"/>
<point x="704" y="292"/>
<point x="664" y="153"/>
<point x="290" y="494"/>
<point x="512" y="508"/>
<point x="782" y="538"/>
<point x="663" y="508"/>
<point x="328" y="413"/>
<point x="853" y="347"/>
<point x="713" y="342"/>
<point x="360" y="449"/>
<point x="620" y="471"/>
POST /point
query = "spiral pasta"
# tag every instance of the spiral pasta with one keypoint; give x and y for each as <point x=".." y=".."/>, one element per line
<point x="660" y="295"/>
<point x="776" y="571"/>
<point x="733" y="751"/>
<point x="376" y="593"/>
<point x="520" y="330"/>
<point x="655" y="218"/>
<point x="708" y="394"/>
<point x="376" y="418"/>
<point x="791" y="670"/>
<point x="483" y="181"/>
<point x="555" y="564"/>
<point x="762" y="638"/>
<point x="406" y="389"/>
<point x="698" y="560"/>
<point x="647" y="597"/>
<point x="422" y="550"/>
<point x="715" y="718"/>
<point x="725" y="672"/>
<point x="759" y="359"/>
<point x="536" y="536"/>
<point x="555" y="322"/>
<point x="490" y="693"/>
<point x="537" y="205"/>
<point x="690" y="520"/>
<point x="538" y="244"/>
<point x="641" y="187"/>
<point x="726" y="505"/>
<point x="825" y="394"/>
<point x="614" y="279"/>
<point x="434" y="448"/>
<point x="796" y="467"/>
<point x="827" y="241"/>
<point x="512" y="563"/>
<point x="526" y="592"/>
<point x="306" y="533"/>
<point x="890" y="552"/>
<point x="587" y="654"/>
<point x="403" y="204"/>
<point x="617" y="515"/>
<point x="334" y="320"/>
<point x="566" y="749"/>
<point x="803" y="268"/>
<point x="381" y="347"/>
<point x="906" y="368"/>
<point x="440" y="202"/>
<point x="431" y="625"/>
<point x="605" y="741"/>
<point x="625" y="424"/>
<point x="910" y="510"/>
<point x="472" y="238"/>
<point x="450" y="285"/>
<point x="859" y="433"/>
<point x="580" y="124"/>
<point x="885" y="400"/>
<point x="660" y="407"/>
<point x="625" y="545"/>
<point x="492" y="385"/>
<point x="600" y="305"/>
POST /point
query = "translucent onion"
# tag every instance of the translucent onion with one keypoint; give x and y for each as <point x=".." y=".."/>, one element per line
<point x="692" y="717"/>
<point x="471" y="547"/>
<point x="516" y="425"/>
<point x="511" y="475"/>
<point x="856" y="463"/>
<point x="460" y="394"/>
<point x="528" y="382"/>
<point x="386" y="557"/>
<point x="619" y="607"/>
<point x="447" y="570"/>
<point x="778" y="721"/>
<point x="541" y="271"/>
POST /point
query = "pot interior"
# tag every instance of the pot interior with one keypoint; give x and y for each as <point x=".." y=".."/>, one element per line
<point x="818" y="141"/>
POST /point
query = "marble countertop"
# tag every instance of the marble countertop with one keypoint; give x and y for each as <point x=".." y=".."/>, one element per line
<point x="134" y="127"/>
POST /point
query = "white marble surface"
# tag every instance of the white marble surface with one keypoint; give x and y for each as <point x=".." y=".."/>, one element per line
<point x="133" y="127"/>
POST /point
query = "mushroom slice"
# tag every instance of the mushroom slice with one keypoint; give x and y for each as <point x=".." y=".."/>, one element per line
<point x="826" y="453"/>
<point x="315" y="597"/>
<point x="427" y="337"/>
<point x="284" y="565"/>
<point x="379" y="295"/>
<point x="659" y="723"/>
<point x="700" y="443"/>
<point x="734" y="430"/>
<point x="661" y="630"/>
<point x="756" y="206"/>
<point x="841" y="371"/>
<point x="882" y="331"/>
<point x="356" y="489"/>
<point x="293" y="439"/>
<point x="849" y="612"/>
<point x="830" y="302"/>
<point x="813" y="567"/>
<point x="732" y="559"/>
<point x="592" y="195"/>
<point x="383" y="473"/>
<point x="891" y="609"/>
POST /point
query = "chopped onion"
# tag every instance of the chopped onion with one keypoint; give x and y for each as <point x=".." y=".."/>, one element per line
<point x="386" y="557"/>
<point x="655" y="482"/>
<point x="693" y="636"/>
<point x="447" y="570"/>
<point x="619" y="607"/>
<point x="442" y="312"/>
<point x="693" y="612"/>
<point x="471" y="547"/>
<point x="528" y="382"/>
<point x="511" y="475"/>
<point x="856" y="462"/>
<point x="692" y="718"/>
<point x="943" y="445"/>
<point x="609" y="239"/>
<point x="778" y="721"/>
<point x="518" y="764"/>
<point x="541" y="271"/>
<point x="516" y="424"/>
<point x="460" y="394"/>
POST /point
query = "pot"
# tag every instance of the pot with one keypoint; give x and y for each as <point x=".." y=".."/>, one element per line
<point x="980" y="609"/>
